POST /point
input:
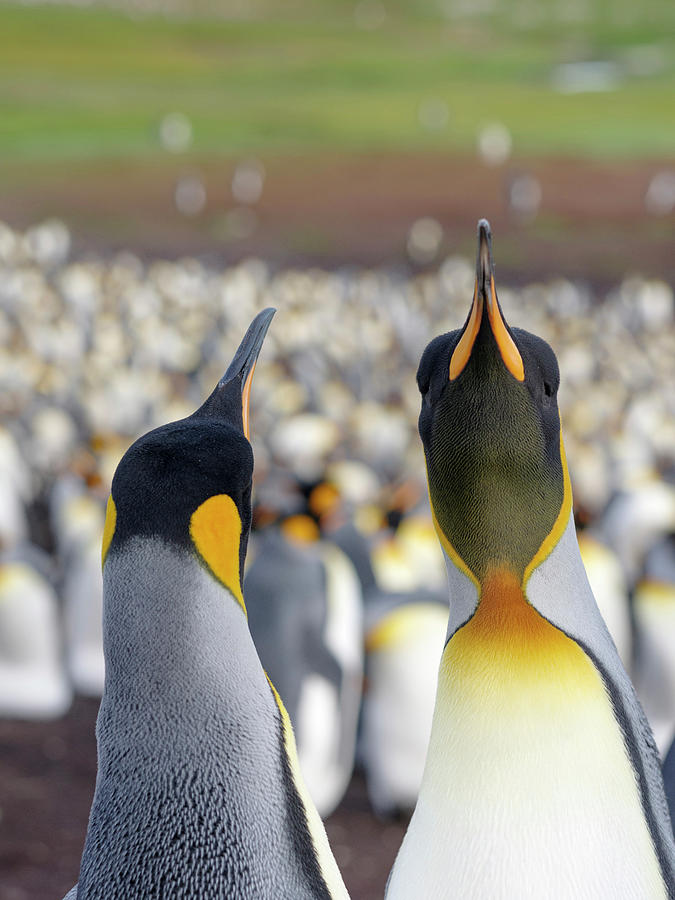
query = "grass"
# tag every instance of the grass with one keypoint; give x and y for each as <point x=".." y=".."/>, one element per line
<point x="90" y="83"/>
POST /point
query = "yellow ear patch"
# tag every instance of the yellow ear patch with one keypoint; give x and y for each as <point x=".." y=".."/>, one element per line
<point x="108" y="528"/>
<point x="215" y="529"/>
<point x="301" y="529"/>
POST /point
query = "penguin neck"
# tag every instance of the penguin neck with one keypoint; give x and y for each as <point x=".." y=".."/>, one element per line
<point x="500" y="645"/>
<point x="176" y="641"/>
<point x="507" y="629"/>
<point x="193" y="740"/>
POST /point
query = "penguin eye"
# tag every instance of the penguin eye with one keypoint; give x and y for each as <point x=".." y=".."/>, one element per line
<point x="548" y="389"/>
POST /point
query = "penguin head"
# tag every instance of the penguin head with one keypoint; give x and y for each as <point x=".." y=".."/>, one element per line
<point x="188" y="483"/>
<point x="491" y="433"/>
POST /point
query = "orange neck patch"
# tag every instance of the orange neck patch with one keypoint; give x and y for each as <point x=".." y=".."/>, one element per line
<point x="504" y="615"/>
<point x="507" y="642"/>
<point x="215" y="529"/>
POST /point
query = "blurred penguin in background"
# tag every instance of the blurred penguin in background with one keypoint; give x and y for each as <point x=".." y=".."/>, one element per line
<point x="654" y="610"/>
<point x="15" y="492"/>
<point x="406" y="621"/>
<point x="77" y="519"/>
<point x="305" y="612"/>
<point x="333" y="501"/>
<point x="638" y="523"/>
<point x="608" y="582"/>
<point x="33" y="681"/>
<point x="636" y="518"/>
<point x="404" y="637"/>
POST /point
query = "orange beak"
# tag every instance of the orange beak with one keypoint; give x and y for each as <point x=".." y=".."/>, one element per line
<point x="245" y="400"/>
<point x="244" y="362"/>
<point x="485" y="295"/>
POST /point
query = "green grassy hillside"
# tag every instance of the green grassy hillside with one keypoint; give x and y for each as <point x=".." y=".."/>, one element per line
<point x="86" y="83"/>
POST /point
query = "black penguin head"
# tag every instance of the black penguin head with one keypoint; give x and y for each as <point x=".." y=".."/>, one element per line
<point x="491" y="433"/>
<point x="189" y="482"/>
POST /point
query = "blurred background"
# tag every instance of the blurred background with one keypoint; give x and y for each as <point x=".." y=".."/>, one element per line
<point x="167" y="169"/>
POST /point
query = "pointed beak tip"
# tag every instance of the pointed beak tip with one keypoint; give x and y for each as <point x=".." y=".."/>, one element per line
<point x="484" y="262"/>
<point x="263" y="321"/>
<point x="484" y="228"/>
<point x="260" y="324"/>
<point x="245" y="358"/>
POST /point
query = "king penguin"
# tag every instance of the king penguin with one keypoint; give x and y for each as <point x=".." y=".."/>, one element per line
<point x="404" y="637"/>
<point x="541" y="777"/>
<point x="654" y="610"/>
<point x="306" y="619"/>
<point x="198" y="792"/>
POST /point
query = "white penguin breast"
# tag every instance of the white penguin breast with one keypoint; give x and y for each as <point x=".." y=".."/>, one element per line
<point x="527" y="791"/>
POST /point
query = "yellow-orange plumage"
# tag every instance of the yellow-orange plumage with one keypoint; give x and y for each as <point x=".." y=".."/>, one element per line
<point x="215" y="529"/>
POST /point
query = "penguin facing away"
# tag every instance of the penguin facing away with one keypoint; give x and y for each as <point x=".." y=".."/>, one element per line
<point x="198" y="792"/>
<point x="305" y="616"/>
<point x="542" y="778"/>
<point x="654" y="610"/>
<point x="77" y="521"/>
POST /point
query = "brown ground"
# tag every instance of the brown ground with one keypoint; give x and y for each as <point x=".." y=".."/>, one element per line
<point x="47" y="774"/>
<point x="331" y="210"/>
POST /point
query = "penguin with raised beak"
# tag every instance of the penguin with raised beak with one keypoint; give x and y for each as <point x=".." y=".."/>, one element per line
<point x="198" y="792"/>
<point x="541" y="778"/>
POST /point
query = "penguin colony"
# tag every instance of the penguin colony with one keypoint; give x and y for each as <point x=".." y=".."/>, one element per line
<point x="95" y="353"/>
<point x="195" y="746"/>
<point x="398" y="579"/>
